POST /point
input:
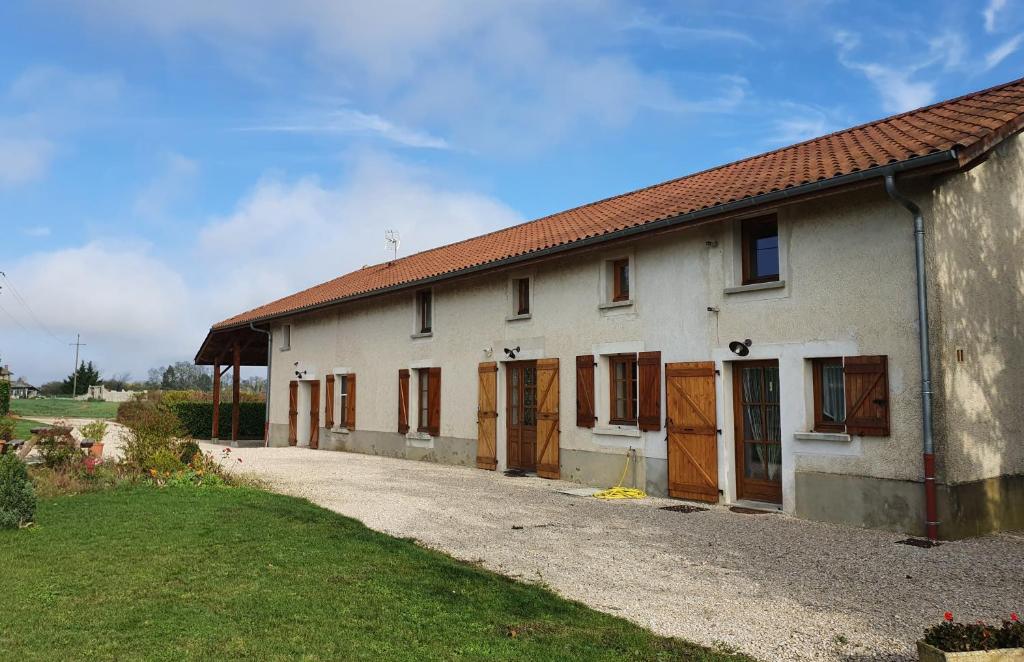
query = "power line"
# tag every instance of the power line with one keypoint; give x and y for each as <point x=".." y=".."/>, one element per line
<point x="21" y="300"/>
<point x="13" y="318"/>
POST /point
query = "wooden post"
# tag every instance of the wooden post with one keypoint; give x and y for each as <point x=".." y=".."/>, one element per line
<point x="235" y="385"/>
<point x="215" y="433"/>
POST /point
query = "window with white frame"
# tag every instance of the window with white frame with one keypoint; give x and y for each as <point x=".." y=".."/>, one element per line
<point x="286" y="337"/>
<point x="424" y="312"/>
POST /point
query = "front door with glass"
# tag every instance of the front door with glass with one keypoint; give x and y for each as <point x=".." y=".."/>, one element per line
<point x="521" y="384"/>
<point x="758" y="431"/>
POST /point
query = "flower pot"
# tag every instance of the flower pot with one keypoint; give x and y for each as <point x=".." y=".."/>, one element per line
<point x="97" y="449"/>
<point x="929" y="653"/>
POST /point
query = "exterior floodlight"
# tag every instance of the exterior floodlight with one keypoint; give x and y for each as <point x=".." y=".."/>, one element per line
<point x="740" y="348"/>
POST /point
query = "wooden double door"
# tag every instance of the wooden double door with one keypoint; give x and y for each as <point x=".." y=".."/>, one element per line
<point x="521" y="414"/>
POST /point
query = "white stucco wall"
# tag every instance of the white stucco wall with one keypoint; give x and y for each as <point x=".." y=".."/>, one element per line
<point x="849" y="290"/>
<point x="976" y="259"/>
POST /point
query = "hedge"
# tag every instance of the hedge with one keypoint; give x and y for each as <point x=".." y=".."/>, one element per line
<point x="197" y="418"/>
<point x="5" y="397"/>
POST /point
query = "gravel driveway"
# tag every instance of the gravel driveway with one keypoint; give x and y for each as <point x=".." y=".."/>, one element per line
<point x="773" y="586"/>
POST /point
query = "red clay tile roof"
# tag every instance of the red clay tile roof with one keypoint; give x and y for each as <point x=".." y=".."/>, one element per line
<point x="970" y="125"/>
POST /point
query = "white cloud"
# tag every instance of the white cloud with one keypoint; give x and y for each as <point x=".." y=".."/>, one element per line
<point x="1003" y="51"/>
<point x="895" y="84"/>
<point x="36" y="231"/>
<point x="23" y="160"/>
<point x="175" y="180"/>
<point x="351" y="121"/>
<point x="675" y="35"/>
<point x="990" y="14"/>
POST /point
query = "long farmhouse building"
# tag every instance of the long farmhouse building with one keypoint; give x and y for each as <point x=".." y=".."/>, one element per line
<point x="834" y="329"/>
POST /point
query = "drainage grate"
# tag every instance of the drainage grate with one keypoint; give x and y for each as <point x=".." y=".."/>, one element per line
<point x="919" y="542"/>
<point x="683" y="509"/>
<point x="750" y="511"/>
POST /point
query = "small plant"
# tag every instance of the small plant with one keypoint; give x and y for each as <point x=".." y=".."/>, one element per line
<point x="6" y="428"/>
<point x="17" y="497"/>
<point x="57" y="447"/>
<point x="94" y="431"/>
<point x="952" y="637"/>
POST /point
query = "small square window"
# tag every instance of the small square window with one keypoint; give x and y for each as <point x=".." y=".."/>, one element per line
<point x="829" y="395"/>
<point x="424" y="311"/>
<point x="623" y="382"/>
<point x="760" y="246"/>
<point x="286" y="336"/>
<point x="620" y="280"/>
<point x="522" y="296"/>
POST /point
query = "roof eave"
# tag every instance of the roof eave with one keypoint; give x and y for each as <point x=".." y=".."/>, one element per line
<point x="948" y="157"/>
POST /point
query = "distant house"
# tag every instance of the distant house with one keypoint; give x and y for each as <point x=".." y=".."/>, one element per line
<point x="5" y="373"/>
<point x="756" y="333"/>
<point x="22" y="390"/>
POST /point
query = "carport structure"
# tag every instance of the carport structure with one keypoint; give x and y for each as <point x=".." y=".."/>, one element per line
<point x="233" y="348"/>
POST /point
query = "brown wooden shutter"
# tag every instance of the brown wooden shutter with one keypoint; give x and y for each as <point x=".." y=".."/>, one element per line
<point x="403" y="401"/>
<point x="314" y="414"/>
<point x="434" y="403"/>
<point x="585" y="391"/>
<point x="293" y="413"/>
<point x="867" y="395"/>
<point x="329" y="401"/>
<point x="649" y="376"/>
<point x="548" y="464"/>
<point x="487" y="417"/>
<point x="350" y="421"/>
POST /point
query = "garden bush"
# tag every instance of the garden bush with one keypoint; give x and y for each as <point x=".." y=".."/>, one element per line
<point x="17" y="497"/>
<point x="57" y="447"/>
<point x="953" y="637"/>
<point x="152" y="428"/>
<point x="5" y="398"/>
<point x="197" y="419"/>
<point x="6" y="428"/>
<point x="95" y="430"/>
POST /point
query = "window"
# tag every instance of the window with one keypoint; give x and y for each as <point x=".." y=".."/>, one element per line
<point x="343" y="397"/>
<point x="760" y="246"/>
<point x="425" y="311"/>
<point x="829" y="395"/>
<point x="623" y="389"/>
<point x="286" y="337"/>
<point x="423" y="421"/>
<point x="522" y="296"/>
<point x="620" y="280"/>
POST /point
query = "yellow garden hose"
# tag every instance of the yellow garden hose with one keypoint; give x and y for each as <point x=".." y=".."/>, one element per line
<point x="620" y="492"/>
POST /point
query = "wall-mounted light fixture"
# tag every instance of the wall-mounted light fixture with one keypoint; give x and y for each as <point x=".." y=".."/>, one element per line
<point x="511" y="353"/>
<point x="740" y="348"/>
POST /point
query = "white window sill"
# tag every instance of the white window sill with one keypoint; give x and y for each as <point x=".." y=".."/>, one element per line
<point x="417" y="336"/>
<point x="419" y="440"/>
<point x="418" y="436"/>
<point x="756" y="287"/>
<point x="516" y="318"/>
<point x="340" y="430"/>
<point x="285" y="349"/>
<point x="617" y="431"/>
<point x="822" y="436"/>
<point x="615" y="304"/>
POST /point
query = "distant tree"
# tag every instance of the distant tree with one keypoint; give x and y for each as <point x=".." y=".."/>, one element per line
<point x="88" y="375"/>
<point x="254" y="384"/>
<point x="183" y="375"/>
<point x="51" y="389"/>
<point x="117" y="382"/>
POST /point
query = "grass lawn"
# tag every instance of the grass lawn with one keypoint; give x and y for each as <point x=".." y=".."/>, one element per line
<point x="64" y="408"/>
<point x="189" y="573"/>
<point x="23" y="427"/>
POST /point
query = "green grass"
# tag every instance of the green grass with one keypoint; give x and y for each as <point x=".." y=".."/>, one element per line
<point x="23" y="427"/>
<point x="189" y="573"/>
<point x="64" y="408"/>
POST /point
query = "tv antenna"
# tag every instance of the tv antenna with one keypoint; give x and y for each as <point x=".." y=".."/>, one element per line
<point x="391" y="243"/>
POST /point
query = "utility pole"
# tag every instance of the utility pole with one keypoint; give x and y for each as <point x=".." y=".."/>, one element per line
<point x="74" y="373"/>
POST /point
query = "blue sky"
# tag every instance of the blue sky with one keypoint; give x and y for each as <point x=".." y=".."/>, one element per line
<point x="164" y="165"/>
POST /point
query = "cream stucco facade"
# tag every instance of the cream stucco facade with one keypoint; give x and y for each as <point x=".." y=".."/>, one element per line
<point x="846" y="288"/>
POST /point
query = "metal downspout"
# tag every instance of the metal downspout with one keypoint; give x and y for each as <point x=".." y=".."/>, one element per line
<point x="270" y="358"/>
<point x="931" y="515"/>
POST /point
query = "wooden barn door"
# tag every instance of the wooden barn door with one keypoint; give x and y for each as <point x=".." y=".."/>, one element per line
<point x="692" y="425"/>
<point x="314" y="415"/>
<point x="487" y="417"/>
<point x="293" y="413"/>
<point x="547" y="418"/>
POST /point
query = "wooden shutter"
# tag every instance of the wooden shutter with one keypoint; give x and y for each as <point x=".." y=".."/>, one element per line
<point x="585" y="391"/>
<point x="314" y="414"/>
<point x="329" y="401"/>
<point x="547" y="418"/>
<point x="487" y="417"/>
<point x="350" y="420"/>
<point x="692" y="426"/>
<point x="403" y="401"/>
<point x="293" y="413"/>
<point x="867" y="395"/>
<point x="434" y="403"/>
<point x="649" y="376"/>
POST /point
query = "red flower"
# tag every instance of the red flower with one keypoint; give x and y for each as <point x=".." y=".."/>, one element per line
<point x="948" y="616"/>
<point x="1013" y="617"/>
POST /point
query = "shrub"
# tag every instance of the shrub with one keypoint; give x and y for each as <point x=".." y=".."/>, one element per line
<point x="953" y="637"/>
<point x="6" y="428"/>
<point x="151" y="429"/>
<point x="5" y="397"/>
<point x="95" y="430"/>
<point x="197" y="419"/>
<point x="188" y="451"/>
<point x="17" y="497"/>
<point x="57" y="447"/>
